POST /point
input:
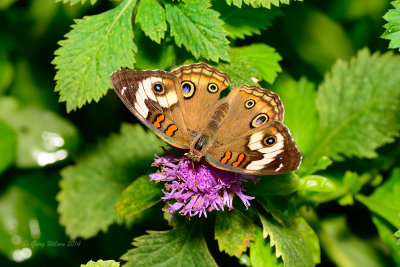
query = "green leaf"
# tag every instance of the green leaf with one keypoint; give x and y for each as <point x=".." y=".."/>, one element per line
<point x="262" y="57"/>
<point x="358" y="108"/>
<point x="283" y="184"/>
<point x="317" y="183"/>
<point x="261" y="252"/>
<point x="299" y="101"/>
<point x="95" y="47"/>
<point x="73" y="2"/>
<point x="292" y="237"/>
<point x="343" y="247"/>
<point x="198" y="28"/>
<point x="386" y="235"/>
<point x="101" y="263"/>
<point x="253" y="61"/>
<point x="8" y="145"/>
<point x="152" y="19"/>
<point x="259" y="3"/>
<point x="184" y="246"/>
<point x="392" y="32"/>
<point x="140" y="195"/>
<point x="245" y="21"/>
<point x="44" y="137"/>
<point x="385" y="201"/>
<point x="323" y="163"/>
<point x="234" y="231"/>
<point x="90" y="189"/>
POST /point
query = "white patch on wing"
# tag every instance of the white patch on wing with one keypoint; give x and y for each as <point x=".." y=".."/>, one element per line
<point x="254" y="143"/>
<point x="280" y="167"/>
<point x="123" y="90"/>
<point x="141" y="111"/>
<point x="162" y="100"/>
<point x="269" y="153"/>
<point x="172" y="98"/>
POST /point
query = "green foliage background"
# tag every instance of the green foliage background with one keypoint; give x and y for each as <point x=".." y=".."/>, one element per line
<point x="74" y="185"/>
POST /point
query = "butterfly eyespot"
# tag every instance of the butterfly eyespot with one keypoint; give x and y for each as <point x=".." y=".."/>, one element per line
<point x="249" y="103"/>
<point x="212" y="88"/>
<point x="188" y="89"/>
<point x="259" y="120"/>
<point x="132" y="86"/>
<point x="158" y="88"/>
<point x="269" y="141"/>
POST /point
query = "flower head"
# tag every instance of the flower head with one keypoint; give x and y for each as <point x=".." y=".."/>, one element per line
<point x="195" y="188"/>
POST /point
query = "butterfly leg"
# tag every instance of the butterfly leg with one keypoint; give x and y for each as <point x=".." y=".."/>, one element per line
<point x="194" y="172"/>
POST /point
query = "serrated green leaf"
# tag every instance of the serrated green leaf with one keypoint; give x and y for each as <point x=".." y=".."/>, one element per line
<point x="385" y="232"/>
<point x="199" y="29"/>
<point x="140" y="195"/>
<point x="259" y="3"/>
<point x="385" y="201"/>
<point x="94" y="48"/>
<point x="317" y="183"/>
<point x="392" y="32"/>
<point x="43" y="137"/>
<point x="258" y="61"/>
<point x="261" y="252"/>
<point x="358" y="108"/>
<point x="73" y="2"/>
<point x="101" y="263"/>
<point x="262" y="57"/>
<point x="181" y="247"/>
<point x="245" y="21"/>
<point x="8" y="145"/>
<point x="292" y="237"/>
<point x="90" y="189"/>
<point x="283" y="184"/>
<point x="299" y="101"/>
<point x="234" y="231"/>
<point x="152" y="19"/>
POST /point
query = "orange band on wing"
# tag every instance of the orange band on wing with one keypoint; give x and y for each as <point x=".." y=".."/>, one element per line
<point x="239" y="160"/>
<point x="158" y="120"/>
<point x="171" y="129"/>
<point x="226" y="157"/>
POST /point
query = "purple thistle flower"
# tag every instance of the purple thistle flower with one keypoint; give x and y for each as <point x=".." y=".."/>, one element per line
<point x="196" y="191"/>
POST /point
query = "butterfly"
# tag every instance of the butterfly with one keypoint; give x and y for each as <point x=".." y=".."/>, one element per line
<point x="242" y="132"/>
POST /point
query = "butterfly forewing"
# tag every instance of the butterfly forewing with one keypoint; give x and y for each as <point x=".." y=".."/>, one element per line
<point x="154" y="98"/>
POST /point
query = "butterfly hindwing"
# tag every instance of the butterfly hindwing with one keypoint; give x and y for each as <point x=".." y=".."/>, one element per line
<point x="268" y="149"/>
<point x="154" y="98"/>
<point x="254" y="114"/>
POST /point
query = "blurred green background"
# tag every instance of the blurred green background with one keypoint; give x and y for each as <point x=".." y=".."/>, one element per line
<point x="41" y="138"/>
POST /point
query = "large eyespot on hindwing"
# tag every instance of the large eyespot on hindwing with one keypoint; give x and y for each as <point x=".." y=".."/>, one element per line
<point x="212" y="88"/>
<point x="188" y="89"/>
<point x="250" y="103"/>
<point x="259" y="120"/>
<point x="158" y="88"/>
